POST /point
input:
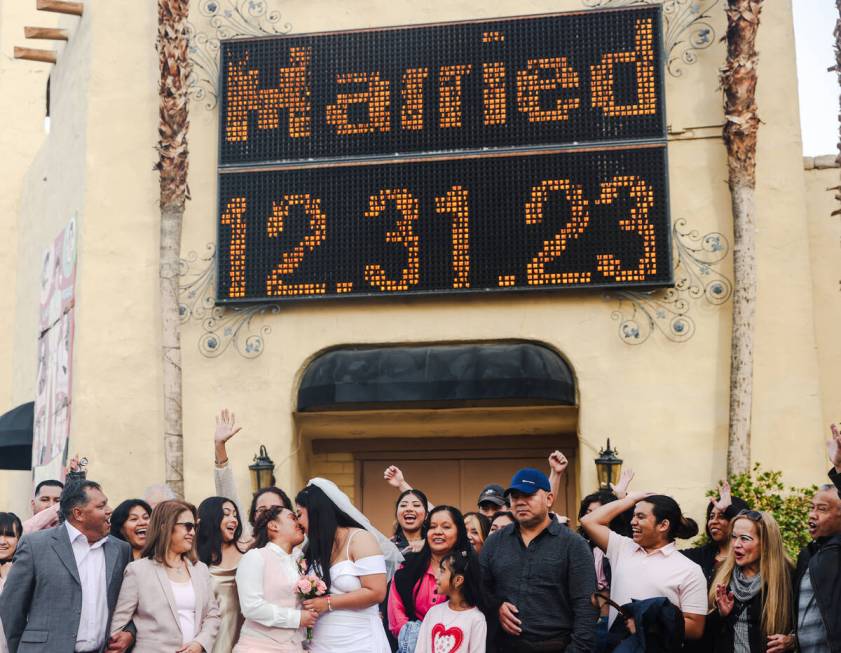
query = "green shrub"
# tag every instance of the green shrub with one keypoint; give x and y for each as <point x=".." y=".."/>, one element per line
<point x="765" y="491"/>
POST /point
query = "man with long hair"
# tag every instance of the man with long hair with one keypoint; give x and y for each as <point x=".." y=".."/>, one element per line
<point x="648" y="564"/>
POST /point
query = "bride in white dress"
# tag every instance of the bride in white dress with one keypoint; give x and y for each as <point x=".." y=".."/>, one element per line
<point x="358" y="560"/>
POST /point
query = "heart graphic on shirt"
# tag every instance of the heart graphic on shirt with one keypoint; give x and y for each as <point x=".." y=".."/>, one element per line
<point x="446" y="640"/>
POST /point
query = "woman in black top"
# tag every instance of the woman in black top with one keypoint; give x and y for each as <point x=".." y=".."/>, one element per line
<point x="710" y="555"/>
<point x="719" y="513"/>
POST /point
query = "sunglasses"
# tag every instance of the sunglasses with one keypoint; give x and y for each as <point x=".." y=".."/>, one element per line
<point x="188" y="525"/>
<point x="753" y="515"/>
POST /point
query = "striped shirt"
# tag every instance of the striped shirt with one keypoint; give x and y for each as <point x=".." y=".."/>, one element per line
<point x="811" y="633"/>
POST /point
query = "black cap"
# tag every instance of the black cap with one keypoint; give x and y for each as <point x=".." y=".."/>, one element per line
<point x="492" y="493"/>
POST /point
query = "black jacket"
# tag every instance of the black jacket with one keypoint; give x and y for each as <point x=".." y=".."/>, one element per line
<point x="823" y="560"/>
<point x="722" y="628"/>
<point x="836" y="478"/>
<point x="659" y="627"/>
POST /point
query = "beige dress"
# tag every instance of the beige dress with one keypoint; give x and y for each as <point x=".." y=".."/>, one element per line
<point x="224" y="583"/>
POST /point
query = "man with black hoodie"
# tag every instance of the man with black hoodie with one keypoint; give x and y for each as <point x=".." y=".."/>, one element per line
<point x="817" y="584"/>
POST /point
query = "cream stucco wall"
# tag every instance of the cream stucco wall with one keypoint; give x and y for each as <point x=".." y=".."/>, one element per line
<point x="825" y="239"/>
<point x="22" y="111"/>
<point x="665" y="404"/>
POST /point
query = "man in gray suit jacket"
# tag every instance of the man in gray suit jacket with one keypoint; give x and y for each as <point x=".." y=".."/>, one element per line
<point x="60" y="594"/>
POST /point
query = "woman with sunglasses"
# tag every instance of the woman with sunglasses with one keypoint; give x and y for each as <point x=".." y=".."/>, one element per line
<point x="751" y="594"/>
<point x="167" y="592"/>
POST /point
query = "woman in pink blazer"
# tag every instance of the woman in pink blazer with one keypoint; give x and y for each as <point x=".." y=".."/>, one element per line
<point x="167" y="592"/>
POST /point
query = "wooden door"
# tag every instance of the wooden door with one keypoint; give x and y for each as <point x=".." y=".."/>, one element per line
<point x="454" y="477"/>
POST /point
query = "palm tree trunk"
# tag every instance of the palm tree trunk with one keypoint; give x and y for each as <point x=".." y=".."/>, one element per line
<point x="738" y="81"/>
<point x="837" y="34"/>
<point x="172" y="164"/>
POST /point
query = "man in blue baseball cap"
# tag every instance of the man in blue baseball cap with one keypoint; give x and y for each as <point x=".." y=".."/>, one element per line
<point x="539" y="575"/>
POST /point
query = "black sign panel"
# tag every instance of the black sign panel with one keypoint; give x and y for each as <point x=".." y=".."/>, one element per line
<point x="539" y="220"/>
<point x="592" y="76"/>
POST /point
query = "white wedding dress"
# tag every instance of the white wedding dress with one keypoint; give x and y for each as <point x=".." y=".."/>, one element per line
<point x="351" y="631"/>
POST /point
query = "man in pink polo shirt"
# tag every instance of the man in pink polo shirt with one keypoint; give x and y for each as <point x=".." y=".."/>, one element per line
<point x="648" y="564"/>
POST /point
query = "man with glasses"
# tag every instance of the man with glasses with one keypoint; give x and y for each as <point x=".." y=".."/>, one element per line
<point x="817" y="583"/>
<point x="63" y="586"/>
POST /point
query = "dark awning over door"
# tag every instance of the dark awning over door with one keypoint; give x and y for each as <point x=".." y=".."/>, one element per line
<point x="440" y="375"/>
<point x="16" y="437"/>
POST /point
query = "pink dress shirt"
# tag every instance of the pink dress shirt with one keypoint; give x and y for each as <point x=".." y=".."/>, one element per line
<point x="425" y="598"/>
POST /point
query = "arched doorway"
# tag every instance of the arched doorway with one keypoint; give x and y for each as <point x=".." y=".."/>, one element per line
<point x="453" y="417"/>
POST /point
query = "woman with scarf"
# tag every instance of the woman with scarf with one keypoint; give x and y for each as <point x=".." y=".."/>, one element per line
<point x="713" y="553"/>
<point x="751" y="594"/>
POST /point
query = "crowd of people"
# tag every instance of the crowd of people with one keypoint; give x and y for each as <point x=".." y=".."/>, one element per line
<point x="157" y="574"/>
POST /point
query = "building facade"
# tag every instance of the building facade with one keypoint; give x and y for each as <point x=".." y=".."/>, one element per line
<point x="648" y="369"/>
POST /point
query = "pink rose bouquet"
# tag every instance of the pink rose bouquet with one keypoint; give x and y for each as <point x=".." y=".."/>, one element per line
<point x="310" y="586"/>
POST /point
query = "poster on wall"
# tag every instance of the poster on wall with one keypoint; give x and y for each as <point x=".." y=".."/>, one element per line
<point x="51" y="428"/>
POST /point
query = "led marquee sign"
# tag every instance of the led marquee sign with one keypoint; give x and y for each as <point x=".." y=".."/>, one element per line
<point x="511" y="154"/>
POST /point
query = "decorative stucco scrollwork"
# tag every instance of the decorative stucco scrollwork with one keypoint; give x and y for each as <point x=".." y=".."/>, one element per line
<point x="221" y="327"/>
<point x="225" y="19"/>
<point x="696" y="280"/>
<point x="687" y="28"/>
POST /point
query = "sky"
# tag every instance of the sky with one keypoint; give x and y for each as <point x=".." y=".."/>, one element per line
<point x="814" y="21"/>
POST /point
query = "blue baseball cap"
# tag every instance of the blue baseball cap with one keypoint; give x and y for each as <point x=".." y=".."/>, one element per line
<point x="528" y="481"/>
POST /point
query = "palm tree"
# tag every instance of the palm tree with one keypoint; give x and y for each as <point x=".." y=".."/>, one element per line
<point x="738" y="81"/>
<point x="172" y="44"/>
<point x="837" y="34"/>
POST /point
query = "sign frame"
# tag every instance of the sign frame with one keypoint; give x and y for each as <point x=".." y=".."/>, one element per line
<point x="397" y="158"/>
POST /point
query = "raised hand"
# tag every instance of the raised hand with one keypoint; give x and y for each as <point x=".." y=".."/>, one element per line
<point x="558" y="462"/>
<point x="724" y="600"/>
<point x="725" y="499"/>
<point x="73" y="465"/>
<point x="226" y="427"/>
<point x="633" y="497"/>
<point x="621" y="488"/>
<point x="833" y="447"/>
<point x="394" y="476"/>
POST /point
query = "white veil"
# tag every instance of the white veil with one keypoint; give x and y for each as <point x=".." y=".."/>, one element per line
<point x="392" y="554"/>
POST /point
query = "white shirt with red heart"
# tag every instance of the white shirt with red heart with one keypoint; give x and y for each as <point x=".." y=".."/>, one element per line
<point x="445" y="630"/>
